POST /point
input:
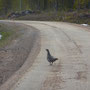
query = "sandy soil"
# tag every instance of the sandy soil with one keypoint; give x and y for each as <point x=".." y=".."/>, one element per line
<point x="14" y="55"/>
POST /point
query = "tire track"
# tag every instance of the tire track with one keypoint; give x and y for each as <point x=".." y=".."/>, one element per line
<point x="69" y="38"/>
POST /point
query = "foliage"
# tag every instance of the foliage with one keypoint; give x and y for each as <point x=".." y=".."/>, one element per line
<point x="17" y="5"/>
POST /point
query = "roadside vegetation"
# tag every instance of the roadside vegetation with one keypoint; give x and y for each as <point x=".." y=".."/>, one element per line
<point x="76" y="11"/>
<point x="6" y="33"/>
<point x="9" y="33"/>
<point x="83" y="16"/>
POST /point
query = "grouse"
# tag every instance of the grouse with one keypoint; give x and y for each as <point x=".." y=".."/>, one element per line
<point x="50" y="58"/>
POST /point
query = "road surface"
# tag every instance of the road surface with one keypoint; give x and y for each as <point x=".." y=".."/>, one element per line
<point x="71" y="44"/>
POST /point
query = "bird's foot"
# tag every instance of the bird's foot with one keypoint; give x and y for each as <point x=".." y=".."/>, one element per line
<point x="51" y="64"/>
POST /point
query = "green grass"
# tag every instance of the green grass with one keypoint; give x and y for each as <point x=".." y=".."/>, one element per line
<point x="6" y="33"/>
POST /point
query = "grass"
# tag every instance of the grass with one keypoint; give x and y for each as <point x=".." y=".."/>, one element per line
<point x="6" y="33"/>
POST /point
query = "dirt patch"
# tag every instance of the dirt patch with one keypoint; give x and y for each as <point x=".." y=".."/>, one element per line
<point x="14" y="55"/>
<point x="82" y="75"/>
<point x="53" y="81"/>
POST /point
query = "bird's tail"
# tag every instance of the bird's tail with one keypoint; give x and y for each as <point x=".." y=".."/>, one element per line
<point x="56" y="59"/>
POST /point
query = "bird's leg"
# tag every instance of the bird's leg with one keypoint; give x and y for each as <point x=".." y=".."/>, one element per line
<point x="50" y="63"/>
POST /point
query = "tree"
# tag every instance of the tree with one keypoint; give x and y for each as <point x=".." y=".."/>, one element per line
<point x="81" y="4"/>
<point x="45" y="5"/>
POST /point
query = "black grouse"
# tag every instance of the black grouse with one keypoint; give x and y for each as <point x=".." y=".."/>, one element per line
<point x="50" y="58"/>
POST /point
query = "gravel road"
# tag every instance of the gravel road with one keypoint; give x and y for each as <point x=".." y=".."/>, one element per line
<point x="68" y="42"/>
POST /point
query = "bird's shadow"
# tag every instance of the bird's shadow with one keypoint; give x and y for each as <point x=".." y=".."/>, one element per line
<point x="54" y="64"/>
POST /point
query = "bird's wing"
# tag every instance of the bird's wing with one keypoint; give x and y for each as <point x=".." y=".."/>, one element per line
<point x="50" y="58"/>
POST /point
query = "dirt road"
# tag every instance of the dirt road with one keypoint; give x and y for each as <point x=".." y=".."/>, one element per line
<point x="69" y="43"/>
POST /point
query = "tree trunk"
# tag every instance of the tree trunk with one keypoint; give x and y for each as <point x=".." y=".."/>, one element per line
<point x="45" y="4"/>
<point x="56" y="5"/>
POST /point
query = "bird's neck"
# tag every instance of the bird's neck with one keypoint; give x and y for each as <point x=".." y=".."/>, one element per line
<point x="49" y="53"/>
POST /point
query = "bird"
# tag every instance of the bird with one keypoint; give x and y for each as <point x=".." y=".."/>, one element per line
<point x="50" y="58"/>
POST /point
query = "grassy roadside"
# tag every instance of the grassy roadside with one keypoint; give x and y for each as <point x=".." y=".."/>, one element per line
<point x="8" y="33"/>
<point x="79" y="17"/>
